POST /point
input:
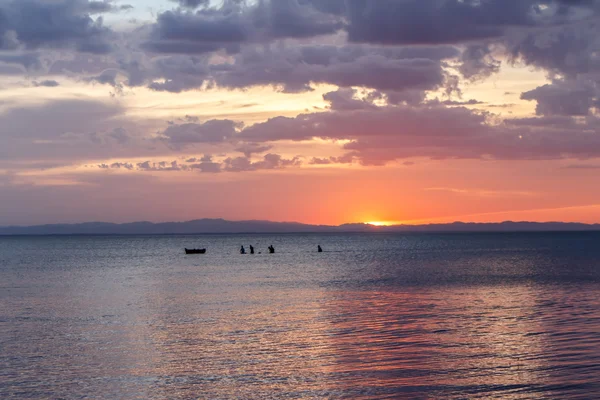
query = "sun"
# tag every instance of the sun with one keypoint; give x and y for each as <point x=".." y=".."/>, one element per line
<point x="380" y="223"/>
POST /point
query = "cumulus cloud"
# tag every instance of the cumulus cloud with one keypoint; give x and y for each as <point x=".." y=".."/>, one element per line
<point x="345" y="99"/>
<point x="296" y="68"/>
<point x="572" y="98"/>
<point x="388" y="133"/>
<point x="33" y="24"/>
<point x="235" y="23"/>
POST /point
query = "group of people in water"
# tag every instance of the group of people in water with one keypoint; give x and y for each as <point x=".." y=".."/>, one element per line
<point x="271" y="249"/>
<point x="243" y="250"/>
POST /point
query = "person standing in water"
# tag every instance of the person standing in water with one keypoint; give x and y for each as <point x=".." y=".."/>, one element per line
<point x="319" y="249"/>
<point x="251" y="249"/>
<point x="242" y="250"/>
<point x="271" y="249"/>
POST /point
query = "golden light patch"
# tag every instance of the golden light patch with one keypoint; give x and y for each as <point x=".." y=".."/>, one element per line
<point x="381" y="223"/>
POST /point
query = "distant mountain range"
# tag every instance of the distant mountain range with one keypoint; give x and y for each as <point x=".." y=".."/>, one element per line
<point x="224" y="226"/>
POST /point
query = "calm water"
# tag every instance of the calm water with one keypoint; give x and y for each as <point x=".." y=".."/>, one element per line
<point x="375" y="316"/>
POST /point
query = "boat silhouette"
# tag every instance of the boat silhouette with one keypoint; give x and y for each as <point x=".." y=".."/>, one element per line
<point x="195" y="251"/>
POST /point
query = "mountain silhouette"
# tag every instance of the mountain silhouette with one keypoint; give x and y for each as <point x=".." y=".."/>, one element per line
<point x="223" y="226"/>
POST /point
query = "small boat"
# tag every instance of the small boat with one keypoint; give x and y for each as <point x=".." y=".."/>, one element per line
<point x="195" y="251"/>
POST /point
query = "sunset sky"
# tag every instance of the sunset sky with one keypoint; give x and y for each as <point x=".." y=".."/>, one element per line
<point x="316" y="111"/>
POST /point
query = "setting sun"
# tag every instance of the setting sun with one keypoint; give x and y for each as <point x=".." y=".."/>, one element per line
<point x="382" y="223"/>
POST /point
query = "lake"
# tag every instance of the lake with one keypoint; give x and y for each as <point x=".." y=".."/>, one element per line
<point x="431" y="316"/>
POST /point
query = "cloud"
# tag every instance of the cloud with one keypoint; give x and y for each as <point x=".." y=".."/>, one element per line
<point x="270" y="161"/>
<point x="28" y="62"/>
<point x="347" y="159"/>
<point x="583" y="166"/>
<point x="118" y="165"/>
<point x="345" y="99"/>
<point x="387" y="22"/>
<point x="564" y="50"/>
<point x="478" y="62"/>
<point x="69" y="132"/>
<point x="213" y="132"/>
<point x="393" y="56"/>
<point x="161" y="166"/>
<point x="120" y="135"/>
<point x="46" y="83"/>
<point x="434" y="22"/>
<point x="192" y="3"/>
<point x="389" y="133"/>
<point x="235" y="23"/>
<point x="470" y="102"/>
<point x="482" y="192"/>
<point x="33" y="24"/>
<point x="252" y="148"/>
<point x="206" y="165"/>
<point x="566" y="97"/>
<point x="295" y="68"/>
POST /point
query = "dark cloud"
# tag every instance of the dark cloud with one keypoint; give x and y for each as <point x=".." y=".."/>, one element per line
<point x="55" y="24"/>
<point x="345" y="99"/>
<point x="179" y="73"/>
<point x="270" y="161"/>
<point x="252" y="148"/>
<point x="161" y="166"/>
<point x="206" y="165"/>
<point x="296" y="68"/>
<point x="98" y="7"/>
<point x="390" y="133"/>
<point x="567" y="50"/>
<point x="388" y="22"/>
<point x="118" y="165"/>
<point x="31" y="62"/>
<point x="278" y="19"/>
<point x="120" y="135"/>
<point x="212" y="132"/>
<point x="478" y="62"/>
<point x="46" y="83"/>
<point x="571" y="98"/>
<point x="433" y="22"/>
<point x="346" y="159"/>
<point x="235" y="23"/>
<point x="205" y="31"/>
<point x="192" y="3"/>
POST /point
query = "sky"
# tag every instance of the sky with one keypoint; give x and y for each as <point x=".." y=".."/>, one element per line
<point x="315" y="111"/>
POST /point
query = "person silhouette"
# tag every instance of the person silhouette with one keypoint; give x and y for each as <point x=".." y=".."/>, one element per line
<point x="271" y="249"/>
<point x="319" y="249"/>
<point x="242" y="250"/>
<point x="251" y="249"/>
